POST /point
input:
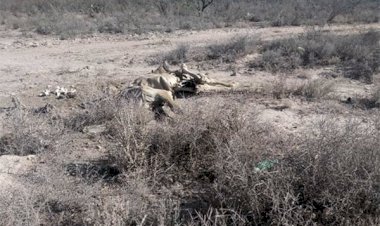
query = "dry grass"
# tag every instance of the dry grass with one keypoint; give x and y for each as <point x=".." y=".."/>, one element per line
<point x="356" y="55"/>
<point x="316" y="89"/>
<point x="208" y="164"/>
<point x="96" y="109"/>
<point x="226" y="52"/>
<point x="30" y="132"/>
<point x="325" y="176"/>
<point x="311" y="90"/>
<point x="373" y="101"/>
<point x="69" y="18"/>
<point x="232" y="50"/>
<point x="190" y="171"/>
<point x="175" y="57"/>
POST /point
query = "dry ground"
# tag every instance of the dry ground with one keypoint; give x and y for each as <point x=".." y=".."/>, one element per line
<point x="30" y="62"/>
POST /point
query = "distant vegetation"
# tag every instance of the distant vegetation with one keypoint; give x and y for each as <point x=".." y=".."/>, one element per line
<point x="69" y="18"/>
<point x="232" y="50"/>
<point x="356" y="55"/>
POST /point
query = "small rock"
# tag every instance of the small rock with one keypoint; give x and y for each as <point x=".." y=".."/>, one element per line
<point x="6" y="102"/>
<point x="44" y="110"/>
<point x="33" y="44"/>
<point x="94" y="130"/>
<point x="46" y="43"/>
<point x="111" y="89"/>
<point x="17" y="165"/>
<point x="71" y="94"/>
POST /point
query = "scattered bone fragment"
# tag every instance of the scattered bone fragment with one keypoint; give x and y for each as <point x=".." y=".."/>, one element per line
<point x="44" y="93"/>
<point x="59" y="92"/>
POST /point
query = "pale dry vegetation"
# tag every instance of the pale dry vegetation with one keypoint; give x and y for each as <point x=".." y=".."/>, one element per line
<point x="205" y="172"/>
<point x="70" y="18"/>
<point x="228" y="157"/>
<point x="373" y="101"/>
<point x="231" y="50"/>
<point x="179" y="55"/>
<point x="30" y="132"/>
<point x="355" y="55"/>
<point x="310" y="90"/>
<point x="227" y="52"/>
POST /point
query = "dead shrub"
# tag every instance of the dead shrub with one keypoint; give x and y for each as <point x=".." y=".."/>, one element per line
<point x="136" y="204"/>
<point x="358" y="71"/>
<point x="63" y="25"/>
<point x="342" y="170"/>
<point x="177" y="56"/>
<point x="188" y="145"/>
<point x="97" y="110"/>
<point x="140" y="140"/>
<point x="94" y="171"/>
<point x="111" y="25"/>
<point x="356" y="54"/>
<point x="279" y="89"/>
<point x="311" y="90"/>
<point x="129" y="133"/>
<point x="373" y="101"/>
<point x="30" y="133"/>
<point x="315" y="89"/>
<point x="318" y="178"/>
<point x="215" y="164"/>
<point x="147" y="15"/>
<point x="221" y="155"/>
<point x="275" y="61"/>
<point x="52" y="197"/>
<point x="232" y="50"/>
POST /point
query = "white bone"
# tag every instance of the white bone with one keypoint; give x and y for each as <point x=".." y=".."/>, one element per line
<point x="44" y="93"/>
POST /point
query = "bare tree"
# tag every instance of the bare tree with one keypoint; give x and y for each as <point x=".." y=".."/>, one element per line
<point x="163" y="6"/>
<point x="339" y="7"/>
<point x="203" y="4"/>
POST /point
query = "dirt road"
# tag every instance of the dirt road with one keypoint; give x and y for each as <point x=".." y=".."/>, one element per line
<point x="29" y="63"/>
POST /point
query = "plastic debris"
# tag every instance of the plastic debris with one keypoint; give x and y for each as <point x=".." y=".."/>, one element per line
<point x="265" y="165"/>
